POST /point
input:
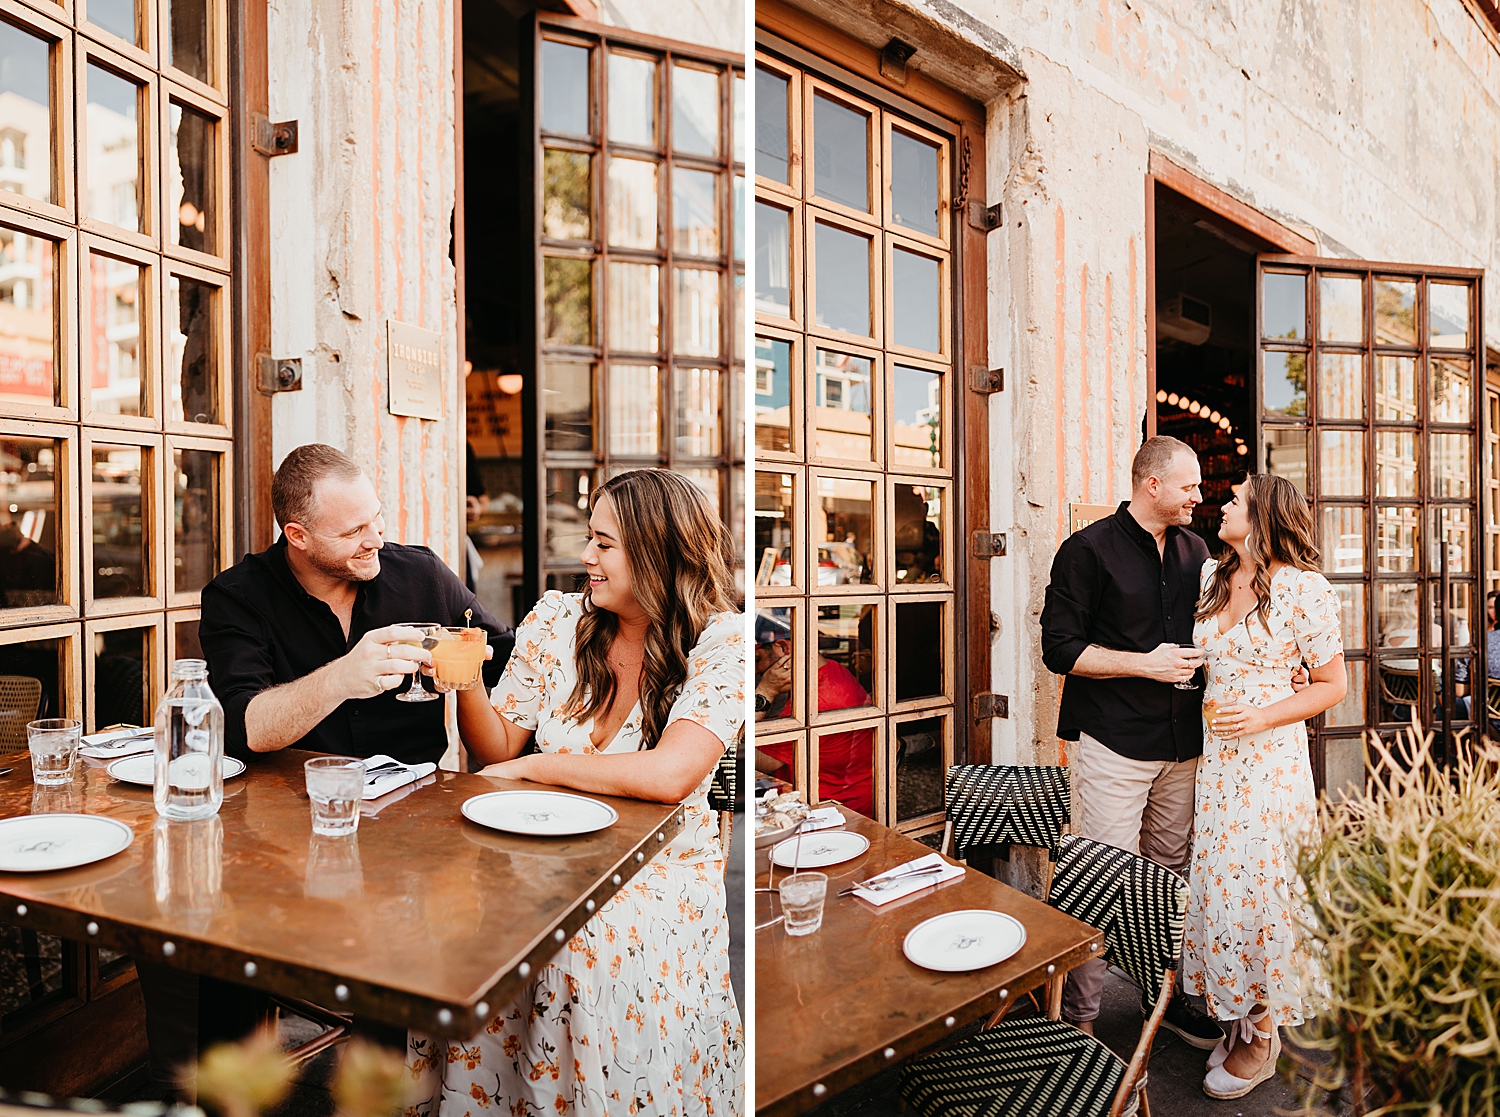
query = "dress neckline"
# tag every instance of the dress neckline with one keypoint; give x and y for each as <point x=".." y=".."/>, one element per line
<point x="1222" y="633"/>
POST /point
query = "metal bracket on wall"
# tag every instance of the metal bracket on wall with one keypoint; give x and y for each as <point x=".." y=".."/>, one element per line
<point x="989" y="706"/>
<point x="278" y="375"/>
<point x="893" y="59"/>
<point x="269" y="138"/>
<point x="986" y="381"/>
<point x="988" y="544"/>
<point x="984" y="218"/>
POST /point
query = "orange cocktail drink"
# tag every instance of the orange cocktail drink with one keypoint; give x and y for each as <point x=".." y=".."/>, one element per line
<point x="457" y="658"/>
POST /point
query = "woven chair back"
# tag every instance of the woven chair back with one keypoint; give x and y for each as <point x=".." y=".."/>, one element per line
<point x="1006" y="804"/>
<point x="20" y="698"/>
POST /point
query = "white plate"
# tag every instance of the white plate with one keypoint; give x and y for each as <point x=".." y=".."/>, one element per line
<point x="820" y="848"/>
<point x="141" y="769"/>
<point x="39" y="843"/>
<point x="545" y="813"/>
<point x="964" y="940"/>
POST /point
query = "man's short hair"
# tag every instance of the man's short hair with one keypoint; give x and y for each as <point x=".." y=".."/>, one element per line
<point x="1154" y="458"/>
<point x="299" y="472"/>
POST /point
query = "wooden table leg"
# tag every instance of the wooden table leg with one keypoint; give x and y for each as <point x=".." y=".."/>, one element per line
<point x="1054" y="997"/>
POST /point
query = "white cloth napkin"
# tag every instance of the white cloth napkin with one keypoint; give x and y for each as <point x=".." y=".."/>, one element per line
<point x="915" y="884"/>
<point x="382" y="783"/>
<point x="823" y="818"/>
<point x="117" y="743"/>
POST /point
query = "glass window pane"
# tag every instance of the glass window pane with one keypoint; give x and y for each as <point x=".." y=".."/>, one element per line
<point x="695" y="212"/>
<point x="1452" y="391"/>
<point x="914" y="182"/>
<point x="709" y="480"/>
<point x="1396" y="389"/>
<point x="739" y="218"/>
<point x="565" y="89"/>
<point x="119" y="527"/>
<point x="696" y="314"/>
<point x="1284" y="304"/>
<point x="33" y="968"/>
<point x="1284" y="386"/>
<point x="1452" y="459"/>
<point x="843" y="280"/>
<point x="1352" y="710"/>
<point x="195" y="522"/>
<point x="1395" y="463"/>
<point x="774" y="527"/>
<point x="44" y="662"/>
<point x="29" y="370"/>
<point x="737" y="122"/>
<point x="1396" y="616"/>
<point x="114" y="163"/>
<point x="772" y="146"/>
<point x="916" y="300"/>
<point x="1341" y="463"/>
<point x="567" y="211"/>
<point x="846" y="758"/>
<point x="736" y="397"/>
<point x="1460" y="615"/>
<point x="112" y="336"/>
<point x="25" y="113"/>
<point x="916" y="422"/>
<point x="919" y="650"/>
<point x="843" y="409"/>
<point x="568" y="403"/>
<point x="843" y="531"/>
<point x="121" y="680"/>
<point x="1396" y="545"/>
<point x="185" y="637"/>
<point x="192" y="360"/>
<point x="29" y="510"/>
<point x="568" y="513"/>
<point x="774" y="628"/>
<point x="190" y="178"/>
<point x="917" y="534"/>
<point x="773" y="268"/>
<point x="1341" y="308"/>
<point x="919" y="767"/>
<point x="699" y="432"/>
<point x="1453" y="525"/>
<point x="847" y="636"/>
<point x="1398" y="681"/>
<point x="632" y="203"/>
<point x="634" y="410"/>
<point x="1448" y="315"/>
<point x="738" y="313"/>
<point x="1341" y="386"/>
<point x="773" y="394"/>
<point x="633" y="320"/>
<point x="632" y="100"/>
<point x="118" y="17"/>
<point x="1351" y="597"/>
<point x="841" y="153"/>
<point x="569" y="301"/>
<point x="187" y="36"/>
<point x="1395" y="312"/>
<point x="1286" y="455"/>
<point x="695" y="111"/>
<point x="1343" y="541"/>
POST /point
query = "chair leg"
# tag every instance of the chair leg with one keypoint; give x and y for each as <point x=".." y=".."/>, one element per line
<point x="1145" y="1105"/>
<point x="947" y="847"/>
<point x="1055" y="996"/>
<point x="726" y="834"/>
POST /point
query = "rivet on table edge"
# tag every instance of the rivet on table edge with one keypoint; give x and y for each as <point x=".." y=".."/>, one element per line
<point x="1004" y="995"/>
<point x="1051" y="970"/>
<point x="588" y="905"/>
<point x="615" y="880"/>
<point x="889" y="1052"/>
<point x="819" y="1089"/>
<point x="560" y="935"/>
<point x="445" y="1016"/>
<point x="483" y="1008"/>
<point x="20" y="909"/>
<point x="639" y="857"/>
<point x="341" y="992"/>
<point x="92" y="928"/>
<point x="169" y="948"/>
<point x="251" y="969"/>
<point x="661" y="837"/>
<point x="1093" y="946"/>
<point x="524" y="968"/>
<point x="948" y="1023"/>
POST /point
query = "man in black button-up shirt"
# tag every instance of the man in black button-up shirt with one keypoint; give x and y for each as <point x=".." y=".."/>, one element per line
<point x="1118" y="610"/>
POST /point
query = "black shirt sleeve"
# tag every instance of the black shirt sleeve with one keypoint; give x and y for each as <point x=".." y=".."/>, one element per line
<point x="1069" y="604"/>
<point x="238" y="650"/>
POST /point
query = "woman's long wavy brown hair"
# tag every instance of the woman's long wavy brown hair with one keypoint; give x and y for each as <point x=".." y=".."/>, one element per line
<point x="1281" y="531"/>
<point x="681" y="560"/>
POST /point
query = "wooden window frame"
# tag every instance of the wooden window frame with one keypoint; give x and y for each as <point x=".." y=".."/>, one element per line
<point x="810" y="405"/>
<point x="796" y="397"/>
<point x="155" y="667"/>
<point x="796" y="716"/>
<point x="153" y="566"/>
<point x="904" y="589"/>
<point x="148" y="144"/>
<point x="922" y="823"/>
<point x="224" y="513"/>
<point x="218" y="113"/>
<point x="223" y="366"/>
<point x="797" y="738"/>
<point x="69" y="533"/>
<point x="946" y="371"/>
<point x="798" y="585"/>
<point x="879" y="531"/>
<point x="796" y="301"/>
<point x="144" y="53"/>
<point x="61" y="96"/>
<point x="944" y="240"/>
<point x="70" y="666"/>
<point x="943" y="259"/>
<point x="64" y="318"/>
<point x="880" y="659"/>
<point x="879" y="776"/>
<point x="792" y="190"/>
<point x="812" y="88"/>
<point x="218" y="34"/>
<point x="927" y="703"/>
<point x="148" y="343"/>
<point x="876" y="337"/>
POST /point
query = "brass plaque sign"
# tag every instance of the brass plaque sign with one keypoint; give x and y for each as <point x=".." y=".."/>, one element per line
<point x="414" y="370"/>
<point x="1081" y="515"/>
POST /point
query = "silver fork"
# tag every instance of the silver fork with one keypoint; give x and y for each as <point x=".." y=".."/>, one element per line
<point x="881" y="883"/>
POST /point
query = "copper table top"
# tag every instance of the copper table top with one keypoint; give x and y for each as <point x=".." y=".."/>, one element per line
<point x="420" y="919"/>
<point x="837" y="1006"/>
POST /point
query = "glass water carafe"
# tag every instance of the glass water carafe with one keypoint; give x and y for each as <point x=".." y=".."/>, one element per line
<point x="189" y="779"/>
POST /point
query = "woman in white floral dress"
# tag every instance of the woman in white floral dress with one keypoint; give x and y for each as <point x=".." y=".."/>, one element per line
<point x="633" y="688"/>
<point x="1265" y="609"/>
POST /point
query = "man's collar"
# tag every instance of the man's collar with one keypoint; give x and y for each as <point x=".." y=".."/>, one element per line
<point x="1134" y="529"/>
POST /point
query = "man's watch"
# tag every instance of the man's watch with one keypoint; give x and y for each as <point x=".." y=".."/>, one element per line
<point x="762" y="703"/>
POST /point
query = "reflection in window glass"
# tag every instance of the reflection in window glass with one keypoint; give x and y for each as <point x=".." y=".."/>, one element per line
<point x="916" y="422"/>
<point x="739" y="218"/>
<point x="114" y="171"/>
<point x="919" y="767"/>
<point x="631" y="203"/>
<point x="697" y="313"/>
<point x="568" y="403"/>
<point x="1452" y="391"/>
<point x="192" y="360"/>
<point x="698" y="410"/>
<point x="1395" y="463"/>
<point x="841" y="153"/>
<point x="566" y="195"/>
<point x="568" y="287"/>
<point x="122" y="682"/>
<point x="774" y="526"/>
<point x="190" y="185"/>
<point x="119" y="527"/>
<point x="1284" y="386"/>
<point x="634" y="316"/>
<point x="1452" y="525"/>
<point x="195" y="519"/>
<point x="28" y="339"/>
<point x="1448" y="315"/>
<point x="632" y="100"/>
<point x="773" y="261"/>
<point x="845" y="759"/>
<point x="737" y="312"/>
<point x="565" y="89"/>
<point x="187" y="36"/>
<point x="843" y="531"/>
<point x="1341" y="386"/>
<point x="843" y="407"/>
<point x="1341" y="463"/>
<point x="1341" y="308"/>
<point x="1286" y="455"/>
<point x="29" y="509"/>
<point x="1460" y="614"/>
<point x="112" y="336"/>
<point x="634" y="410"/>
<point x="35" y="970"/>
<point x="914" y="183"/>
<point x="917" y="534"/>
<point x="847" y="637"/>
<point x="45" y="661"/>
<point x="1346" y="774"/>
<point x="568" y="513"/>
<point x="1284" y="305"/>
<point x="843" y="280"/>
<point x="919" y="650"/>
<point x="773" y="394"/>
<point x="707" y="480"/>
<point x="695" y="111"/>
<point x="774" y="626"/>
<point x="1351" y="597"/>
<point x="1343" y="541"/>
<point x="916" y="300"/>
<point x="695" y="212"/>
<point x="737" y="123"/>
<point x="1451" y="463"/>
<point x="25" y="114"/>
<point x="118" y="17"/>
<point x="1395" y="312"/>
<point x="772" y="149"/>
<point x="185" y="638"/>
<point x="1396" y="542"/>
<point x="1396" y="389"/>
<point x="1396" y="618"/>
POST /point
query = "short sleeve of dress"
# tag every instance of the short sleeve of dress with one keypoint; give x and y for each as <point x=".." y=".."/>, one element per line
<point x="713" y="695"/>
<point x="1209" y="566"/>
<point x="522" y="690"/>
<point x="1315" y="619"/>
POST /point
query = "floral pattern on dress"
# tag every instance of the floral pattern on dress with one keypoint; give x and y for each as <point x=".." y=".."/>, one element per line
<point x="635" y="1014"/>
<point x="1254" y="804"/>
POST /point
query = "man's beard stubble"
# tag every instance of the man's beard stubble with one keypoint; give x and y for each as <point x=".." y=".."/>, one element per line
<point x="335" y="569"/>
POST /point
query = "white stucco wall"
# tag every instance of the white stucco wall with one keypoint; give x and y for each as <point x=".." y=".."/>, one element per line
<point x="713" y="23"/>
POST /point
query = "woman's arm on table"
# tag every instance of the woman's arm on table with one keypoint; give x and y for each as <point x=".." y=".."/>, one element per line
<point x="489" y="737"/>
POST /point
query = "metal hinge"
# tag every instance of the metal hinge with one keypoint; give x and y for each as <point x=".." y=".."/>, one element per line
<point x="279" y="138"/>
<point x="988" y="544"/>
<point x="988" y="706"/>
<point x="278" y="375"/>
<point x="986" y="381"/>
<point x="984" y="218"/>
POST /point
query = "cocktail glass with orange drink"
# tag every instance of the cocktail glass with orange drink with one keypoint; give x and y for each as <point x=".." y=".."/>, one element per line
<point x="457" y="657"/>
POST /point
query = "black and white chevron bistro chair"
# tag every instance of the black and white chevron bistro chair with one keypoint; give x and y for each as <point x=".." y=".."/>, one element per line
<point x="995" y="806"/>
<point x="724" y="791"/>
<point x="1033" y="1067"/>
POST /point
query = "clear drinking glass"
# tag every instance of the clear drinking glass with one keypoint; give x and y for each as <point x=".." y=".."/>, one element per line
<point x="802" y="896"/>
<point x="189" y="777"/>
<point x="335" y="785"/>
<point x="54" y="747"/>
<point x="457" y="658"/>
<point x="1192" y="680"/>
<point x="417" y="692"/>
